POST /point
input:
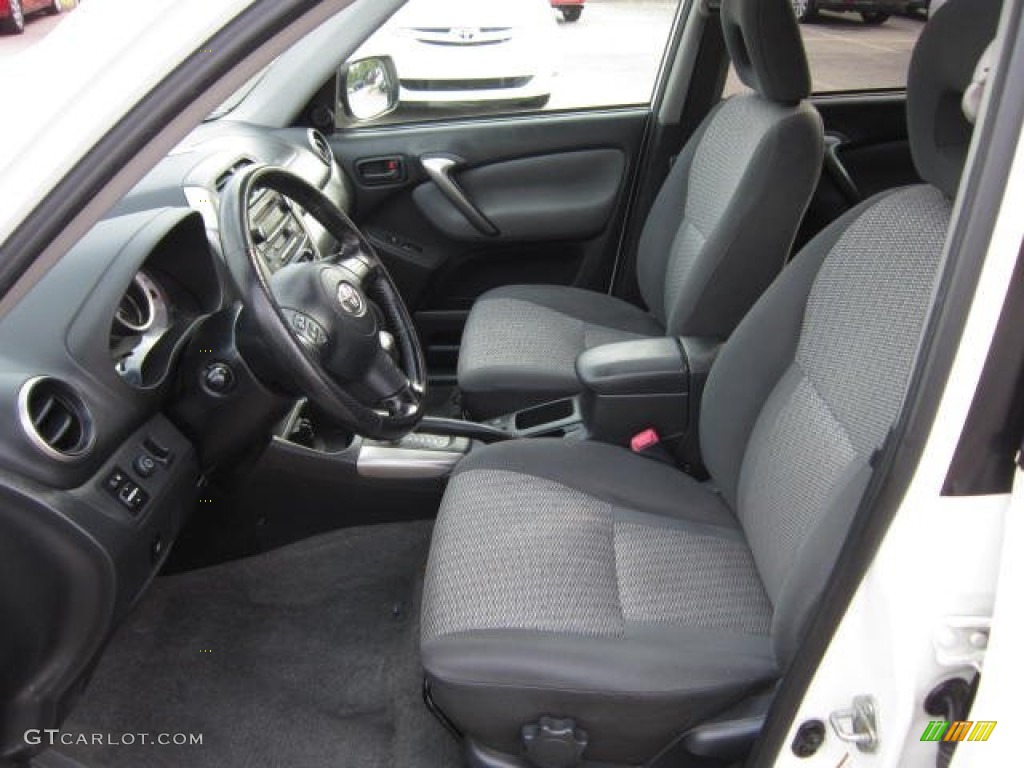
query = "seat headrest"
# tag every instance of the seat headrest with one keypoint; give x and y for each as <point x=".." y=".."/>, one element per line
<point x="941" y="70"/>
<point x="766" y="48"/>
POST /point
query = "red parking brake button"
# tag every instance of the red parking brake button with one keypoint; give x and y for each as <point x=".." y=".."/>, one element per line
<point x="641" y="441"/>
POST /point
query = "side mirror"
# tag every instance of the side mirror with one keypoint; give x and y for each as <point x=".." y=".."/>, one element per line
<point x="368" y="88"/>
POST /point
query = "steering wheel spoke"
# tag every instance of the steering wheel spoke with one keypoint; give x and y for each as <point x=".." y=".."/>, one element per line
<point x="307" y="331"/>
<point x="350" y="247"/>
<point x="385" y="384"/>
<point x="337" y="326"/>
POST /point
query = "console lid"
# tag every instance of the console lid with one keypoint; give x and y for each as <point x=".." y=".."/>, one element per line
<point x="642" y="367"/>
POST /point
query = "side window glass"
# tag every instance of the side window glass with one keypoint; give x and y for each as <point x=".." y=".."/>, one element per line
<point x="457" y="58"/>
<point x="860" y="50"/>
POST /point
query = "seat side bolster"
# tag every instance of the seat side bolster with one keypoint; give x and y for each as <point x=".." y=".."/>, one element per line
<point x="611" y="474"/>
<point x="663" y="221"/>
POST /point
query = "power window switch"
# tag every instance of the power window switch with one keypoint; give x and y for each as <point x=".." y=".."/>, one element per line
<point x="132" y="497"/>
<point x="115" y="480"/>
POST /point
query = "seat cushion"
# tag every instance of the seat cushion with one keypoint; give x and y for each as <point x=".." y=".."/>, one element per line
<point x="521" y="343"/>
<point x="576" y="579"/>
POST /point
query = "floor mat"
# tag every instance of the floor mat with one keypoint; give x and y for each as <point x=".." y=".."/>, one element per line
<point x="305" y="656"/>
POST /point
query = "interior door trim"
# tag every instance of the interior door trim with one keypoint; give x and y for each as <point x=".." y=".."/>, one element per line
<point x="440" y="169"/>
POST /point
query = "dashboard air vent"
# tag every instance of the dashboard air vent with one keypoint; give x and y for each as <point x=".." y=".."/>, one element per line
<point x="225" y="177"/>
<point x="321" y="147"/>
<point x="55" y="418"/>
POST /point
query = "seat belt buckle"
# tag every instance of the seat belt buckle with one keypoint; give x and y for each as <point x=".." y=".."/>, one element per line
<point x="643" y="441"/>
<point x="648" y="443"/>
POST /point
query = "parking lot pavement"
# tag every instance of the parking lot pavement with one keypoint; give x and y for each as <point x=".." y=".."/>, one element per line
<point x="612" y="54"/>
<point x="846" y="54"/>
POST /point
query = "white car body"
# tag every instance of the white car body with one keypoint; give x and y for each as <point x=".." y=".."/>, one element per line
<point x="942" y="597"/>
<point x="469" y="51"/>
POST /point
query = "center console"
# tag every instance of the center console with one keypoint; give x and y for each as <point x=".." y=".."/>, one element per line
<point x="313" y="473"/>
<point x="632" y="386"/>
<point x="558" y="418"/>
<point x="648" y="386"/>
<point x="420" y="455"/>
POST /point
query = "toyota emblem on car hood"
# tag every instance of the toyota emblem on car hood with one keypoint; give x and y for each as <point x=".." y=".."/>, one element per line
<point x="350" y="299"/>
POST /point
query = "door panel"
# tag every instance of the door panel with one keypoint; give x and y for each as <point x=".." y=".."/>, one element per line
<point x="531" y="199"/>
<point x="873" y="147"/>
<point x="563" y="196"/>
<point x="867" y="151"/>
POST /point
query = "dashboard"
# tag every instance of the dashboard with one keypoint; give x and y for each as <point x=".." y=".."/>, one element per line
<point x="195" y="172"/>
<point x="109" y="414"/>
<point x="111" y="319"/>
<point x="279" y="231"/>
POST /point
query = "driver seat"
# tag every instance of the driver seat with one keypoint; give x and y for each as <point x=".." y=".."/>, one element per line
<point x="579" y="581"/>
<point x="717" y="234"/>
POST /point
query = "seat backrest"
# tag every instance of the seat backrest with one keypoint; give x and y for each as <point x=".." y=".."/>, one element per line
<point x="814" y="377"/>
<point x="724" y="220"/>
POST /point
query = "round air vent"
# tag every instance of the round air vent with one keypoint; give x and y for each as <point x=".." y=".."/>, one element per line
<point x="55" y="418"/>
<point x="321" y="147"/>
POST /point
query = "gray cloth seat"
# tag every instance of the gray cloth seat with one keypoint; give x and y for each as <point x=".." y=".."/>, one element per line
<point x="577" y="580"/>
<point x="573" y="579"/>
<point x="521" y="343"/>
<point x="719" y="231"/>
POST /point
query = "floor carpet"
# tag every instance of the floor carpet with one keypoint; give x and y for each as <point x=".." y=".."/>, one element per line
<point x="305" y="656"/>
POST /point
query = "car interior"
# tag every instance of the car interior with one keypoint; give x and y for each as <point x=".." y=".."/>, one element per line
<point x="528" y="441"/>
<point x="742" y="182"/>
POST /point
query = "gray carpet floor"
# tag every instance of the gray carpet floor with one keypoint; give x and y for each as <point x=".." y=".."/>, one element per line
<point x="305" y="656"/>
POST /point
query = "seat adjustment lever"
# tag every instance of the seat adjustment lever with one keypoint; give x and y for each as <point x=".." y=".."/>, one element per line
<point x="554" y="742"/>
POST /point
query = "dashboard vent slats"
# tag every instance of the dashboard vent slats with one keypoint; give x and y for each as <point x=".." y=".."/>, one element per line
<point x="224" y="178"/>
<point x="321" y="147"/>
<point x="55" y="418"/>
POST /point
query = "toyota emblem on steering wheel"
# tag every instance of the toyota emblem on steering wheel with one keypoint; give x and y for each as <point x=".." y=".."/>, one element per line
<point x="350" y="299"/>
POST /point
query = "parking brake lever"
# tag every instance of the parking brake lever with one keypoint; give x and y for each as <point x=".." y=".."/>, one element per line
<point x="439" y="168"/>
<point x="438" y="425"/>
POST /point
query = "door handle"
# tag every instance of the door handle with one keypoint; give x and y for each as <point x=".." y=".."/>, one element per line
<point x="834" y="166"/>
<point x="440" y="168"/>
<point x="375" y="171"/>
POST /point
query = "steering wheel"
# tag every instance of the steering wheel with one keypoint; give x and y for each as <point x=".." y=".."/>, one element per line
<point x="337" y="327"/>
